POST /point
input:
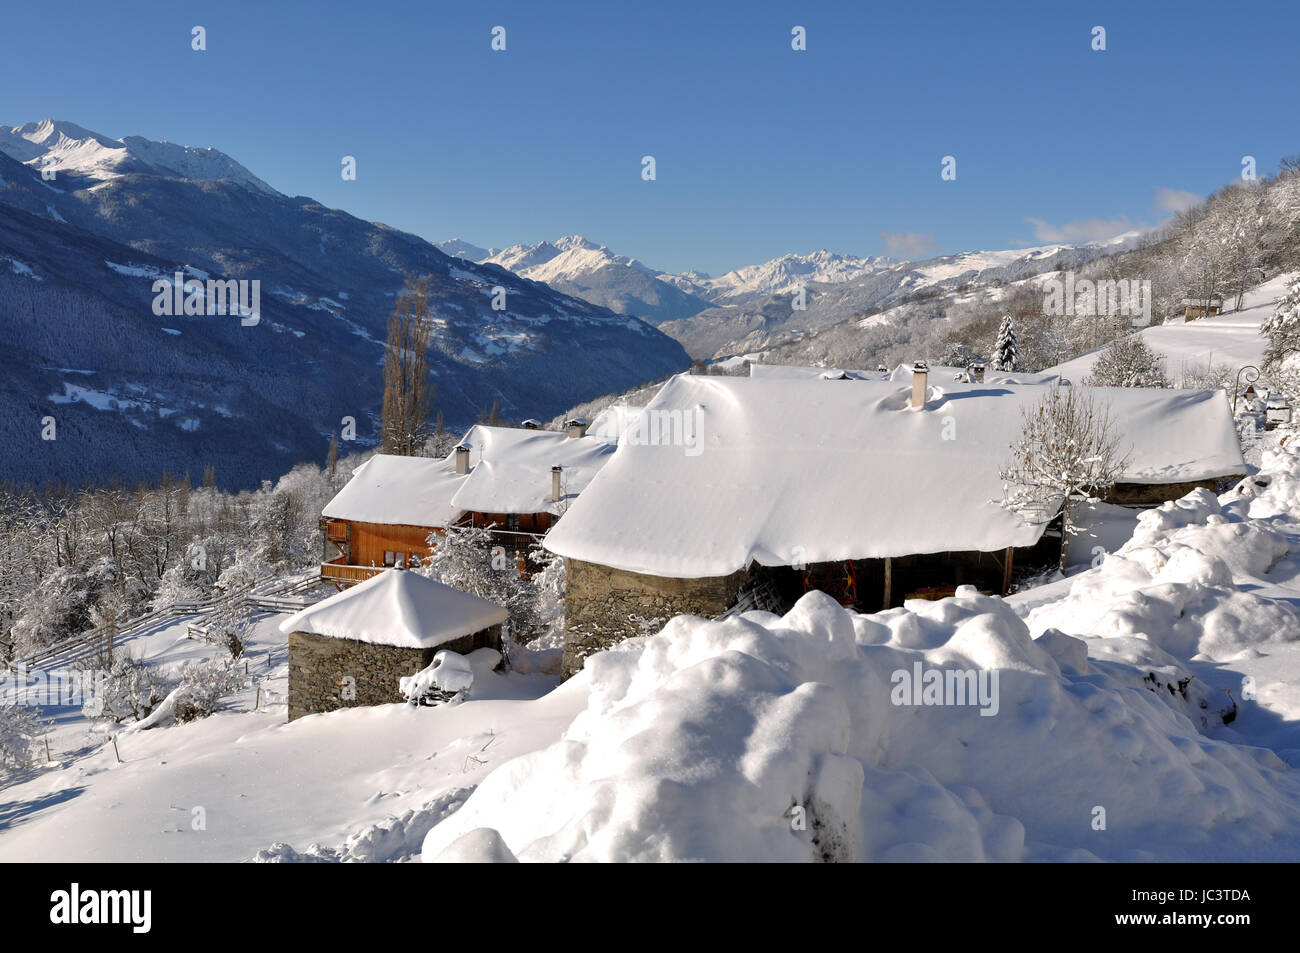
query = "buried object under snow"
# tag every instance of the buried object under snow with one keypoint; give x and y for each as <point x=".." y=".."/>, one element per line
<point x="448" y="675"/>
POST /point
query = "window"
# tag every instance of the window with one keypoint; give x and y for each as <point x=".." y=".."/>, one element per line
<point x="390" y="558"/>
<point x="512" y="522"/>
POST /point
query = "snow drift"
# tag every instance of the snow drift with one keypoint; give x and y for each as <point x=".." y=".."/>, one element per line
<point x="766" y="738"/>
<point x="762" y="738"/>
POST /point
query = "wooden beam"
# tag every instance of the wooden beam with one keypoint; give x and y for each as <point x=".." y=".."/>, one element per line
<point x="889" y="572"/>
<point x="1006" y="570"/>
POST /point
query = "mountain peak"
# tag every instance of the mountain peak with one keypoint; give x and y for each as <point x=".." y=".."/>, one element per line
<point x="66" y="147"/>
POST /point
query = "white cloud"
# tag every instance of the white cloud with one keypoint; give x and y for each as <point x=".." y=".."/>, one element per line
<point x="1173" y="201"/>
<point x="1083" y="230"/>
<point x="911" y="245"/>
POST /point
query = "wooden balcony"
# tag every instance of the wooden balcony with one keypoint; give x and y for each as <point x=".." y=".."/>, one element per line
<point x="339" y="571"/>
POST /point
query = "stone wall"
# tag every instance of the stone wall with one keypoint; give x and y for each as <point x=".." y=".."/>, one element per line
<point x="600" y="604"/>
<point x="1156" y="493"/>
<point x="323" y="669"/>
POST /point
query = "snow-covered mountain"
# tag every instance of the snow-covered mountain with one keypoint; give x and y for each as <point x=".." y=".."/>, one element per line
<point x="64" y="147"/>
<point x="579" y="267"/>
<point x="782" y="275"/>
<point x="134" y="393"/>
<point x="760" y="320"/>
<point x="749" y="307"/>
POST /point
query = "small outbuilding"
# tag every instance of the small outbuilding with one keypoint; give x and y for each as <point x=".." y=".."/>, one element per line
<point x="354" y="647"/>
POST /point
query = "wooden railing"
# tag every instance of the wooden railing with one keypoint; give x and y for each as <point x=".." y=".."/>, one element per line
<point x="343" y="572"/>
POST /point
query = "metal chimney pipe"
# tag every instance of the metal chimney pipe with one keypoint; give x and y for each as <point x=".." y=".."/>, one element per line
<point x="462" y="459"/>
<point x="556" y="495"/>
<point x="920" y="373"/>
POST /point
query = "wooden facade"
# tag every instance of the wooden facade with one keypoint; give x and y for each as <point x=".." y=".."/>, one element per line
<point x="354" y="550"/>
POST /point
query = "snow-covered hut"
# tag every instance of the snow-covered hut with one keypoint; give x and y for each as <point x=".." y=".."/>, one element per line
<point x="354" y="647"/>
<point x="870" y="490"/>
<point x="517" y="480"/>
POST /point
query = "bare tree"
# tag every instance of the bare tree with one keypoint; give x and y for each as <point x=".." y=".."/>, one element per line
<point x="408" y="393"/>
<point x="1067" y="454"/>
<point x="332" y="459"/>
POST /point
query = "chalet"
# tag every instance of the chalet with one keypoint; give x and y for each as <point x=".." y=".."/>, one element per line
<point x="1194" y="308"/>
<point x="873" y="491"/>
<point x="355" y="647"/>
<point x="515" y="480"/>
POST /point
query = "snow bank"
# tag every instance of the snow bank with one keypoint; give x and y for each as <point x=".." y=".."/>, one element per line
<point x="765" y="738"/>
<point x="1174" y="584"/>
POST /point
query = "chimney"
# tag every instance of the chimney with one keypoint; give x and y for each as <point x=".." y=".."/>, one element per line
<point x="882" y="369"/>
<point x="920" y="372"/>
<point x="576" y="427"/>
<point x="556" y="496"/>
<point x="462" y="459"/>
<point x="977" y="373"/>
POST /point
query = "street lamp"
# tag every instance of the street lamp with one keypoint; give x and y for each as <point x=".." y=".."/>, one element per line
<point x="1247" y="370"/>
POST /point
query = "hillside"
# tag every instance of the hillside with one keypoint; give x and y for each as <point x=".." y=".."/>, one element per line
<point x="133" y="393"/>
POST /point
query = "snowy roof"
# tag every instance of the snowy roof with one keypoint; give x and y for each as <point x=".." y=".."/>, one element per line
<point x="510" y="472"/>
<point x="903" y="372"/>
<point x="796" y="470"/>
<point x="398" y="607"/>
<point x="937" y="374"/>
<point x="510" y="469"/>
<point x="799" y="372"/>
<point x="612" y="422"/>
<point x="406" y="491"/>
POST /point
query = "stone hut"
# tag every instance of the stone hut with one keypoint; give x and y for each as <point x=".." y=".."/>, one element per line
<point x="354" y="647"/>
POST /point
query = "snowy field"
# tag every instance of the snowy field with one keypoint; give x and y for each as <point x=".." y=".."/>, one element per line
<point x="1231" y="339"/>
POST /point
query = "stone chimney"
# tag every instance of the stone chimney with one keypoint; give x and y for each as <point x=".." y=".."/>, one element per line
<point x="462" y="459"/>
<point x="977" y="373"/>
<point x="920" y="374"/>
<point x="556" y="494"/>
<point x="576" y="427"/>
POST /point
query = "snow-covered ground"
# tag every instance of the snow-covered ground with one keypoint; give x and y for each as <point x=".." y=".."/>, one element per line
<point x="1231" y="339"/>
<point x="258" y="779"/>
<point x="1145" y="709"/>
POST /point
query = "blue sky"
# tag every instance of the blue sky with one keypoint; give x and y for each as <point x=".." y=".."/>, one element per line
<point x="760" y="150"/>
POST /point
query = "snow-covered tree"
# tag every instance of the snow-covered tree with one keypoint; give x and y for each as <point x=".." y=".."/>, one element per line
<point x="1128" y="362"/>
<point x="1006" y="349"/>
<point x="1282" y="327"/>
<point x="20" y="726"/>
<point x="59" y="606"/>
<point x="471" y="559"/>
<point x="202" y="688"/>
<point x="1067" y="454"/>
<point x="131" y="691"/>
<point x="228" y="626"/>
